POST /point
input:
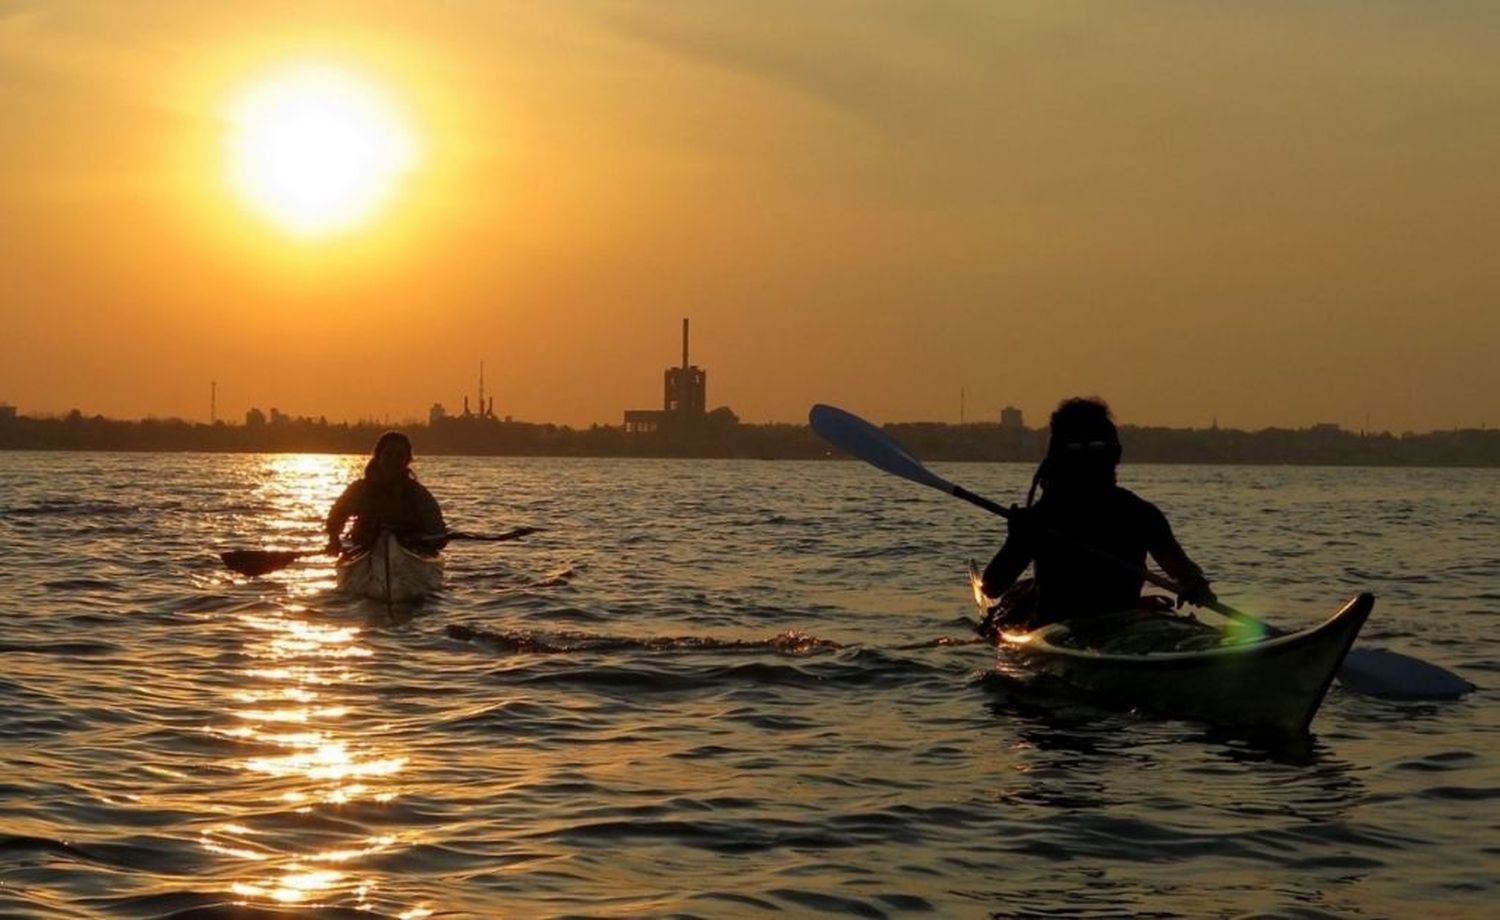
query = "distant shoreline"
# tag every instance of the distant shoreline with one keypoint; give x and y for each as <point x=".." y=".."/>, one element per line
<point x="1323" y="445"/>
<point x="832" y="458"/>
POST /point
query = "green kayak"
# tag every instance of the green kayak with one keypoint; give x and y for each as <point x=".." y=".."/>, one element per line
<point x="1200" y="667"/>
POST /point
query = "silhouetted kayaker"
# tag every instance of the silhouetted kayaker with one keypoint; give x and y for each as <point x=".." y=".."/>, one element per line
<point x="1080" y="503"/>
<point x="387" y="498"/>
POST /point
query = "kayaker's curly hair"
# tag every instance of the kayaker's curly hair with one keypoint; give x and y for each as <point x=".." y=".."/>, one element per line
<point x="1084" y="445"/>
<point x="390" y="437"/>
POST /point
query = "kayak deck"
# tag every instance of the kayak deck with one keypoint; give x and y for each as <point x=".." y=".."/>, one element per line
<point x="1181" y="666"/>
<point x="389" y="572"/>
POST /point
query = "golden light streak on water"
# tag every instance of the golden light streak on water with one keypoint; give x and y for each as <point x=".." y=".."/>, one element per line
<point x="376" y="845"/>
<point x="237" y="852"/>
<point x="331" y="761"/>
<point x="303" y="714"/>
<point x="297" y="739"/>
<point x="293" y="887"/>
<point x="298" y="490"/>
<point x="291" y="694"/>
<point x="293" y="697"/>
<point x="300" y="675"/>
<point x="309" y="667"/>
<point x="296" y="886"/>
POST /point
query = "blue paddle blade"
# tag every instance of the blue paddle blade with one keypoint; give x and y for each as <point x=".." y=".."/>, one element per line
<point x="1391" y="675"/>
<point x="858" y="438"/>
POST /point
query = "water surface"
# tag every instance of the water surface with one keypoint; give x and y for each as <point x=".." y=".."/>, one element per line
<point x="711" y="689"/>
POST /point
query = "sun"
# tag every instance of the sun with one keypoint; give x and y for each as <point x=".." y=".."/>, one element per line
<point x="316" y="149"/>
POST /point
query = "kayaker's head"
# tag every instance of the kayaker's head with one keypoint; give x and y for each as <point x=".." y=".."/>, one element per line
<point x="1083" y="450"/>
<point x="391" y="458"/>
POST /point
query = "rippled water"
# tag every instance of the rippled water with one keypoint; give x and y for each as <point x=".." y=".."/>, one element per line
<point x="708" y="689"/>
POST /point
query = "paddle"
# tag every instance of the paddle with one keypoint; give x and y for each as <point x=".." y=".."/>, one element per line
<point x="1377" y="672"/>
<point x="254" y="562"/>
<point x="486" y="537"/>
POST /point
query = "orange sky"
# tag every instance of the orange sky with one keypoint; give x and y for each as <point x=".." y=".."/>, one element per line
<point x="1264" y="214"/>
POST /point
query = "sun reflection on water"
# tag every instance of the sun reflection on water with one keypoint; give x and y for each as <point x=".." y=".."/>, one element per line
<point x="293" y="887"/>
<point x="296" y="707"/>
<point x="296" y="491"/>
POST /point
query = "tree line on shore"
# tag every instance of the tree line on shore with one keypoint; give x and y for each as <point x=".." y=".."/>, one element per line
<point x="725" y="438"/>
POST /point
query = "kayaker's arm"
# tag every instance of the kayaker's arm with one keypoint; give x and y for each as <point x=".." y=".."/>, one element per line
<point x="339" y="515"/>
<point x="1013" y="557"/>
<point x="429" y="517"/>
<point x="1173" y="560"/>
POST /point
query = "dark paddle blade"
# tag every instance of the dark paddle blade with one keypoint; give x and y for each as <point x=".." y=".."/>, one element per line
<point x="259" y="561"/>
<point x="1393" y="676"/>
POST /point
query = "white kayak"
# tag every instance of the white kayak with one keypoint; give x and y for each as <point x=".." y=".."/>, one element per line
<point x="390" y="572"/>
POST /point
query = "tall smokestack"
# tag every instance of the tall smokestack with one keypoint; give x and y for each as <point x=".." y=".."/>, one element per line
<point x="684" y="344"/>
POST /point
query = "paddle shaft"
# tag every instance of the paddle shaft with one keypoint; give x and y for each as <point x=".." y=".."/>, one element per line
<point x="263" y="562"/>
<point x="488" y="537"/>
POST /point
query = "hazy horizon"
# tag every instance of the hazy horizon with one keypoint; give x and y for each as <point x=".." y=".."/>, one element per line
<point x="1260" y="215"/>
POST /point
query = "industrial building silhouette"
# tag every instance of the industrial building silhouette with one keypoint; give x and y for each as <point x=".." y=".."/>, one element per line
<point x="684" y="399"/>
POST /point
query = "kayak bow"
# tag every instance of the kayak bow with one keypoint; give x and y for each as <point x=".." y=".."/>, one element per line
<point x="389" y="572"/>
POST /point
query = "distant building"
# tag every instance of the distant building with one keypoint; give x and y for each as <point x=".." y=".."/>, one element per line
<point x="642" y="421"/>
<point x="7" y="412"/>
<point x="1327" y="428"/>
<point x="684" y="398"/>
<point x="254" y="418"/>
<point x="685" y="388"/>
<point x="436" y="414"/>
<point x="1010" y="419"/>
<point x="486" y="410"/>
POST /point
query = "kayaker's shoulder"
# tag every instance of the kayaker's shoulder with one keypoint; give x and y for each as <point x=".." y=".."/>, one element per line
<point x="1140" y="512"/>
<point x="419" y="490"/>
<point x="1127" y="497"/>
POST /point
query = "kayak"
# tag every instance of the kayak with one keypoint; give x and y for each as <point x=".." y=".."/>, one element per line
<point x="1212" y="669"/>
<point x="389" y="572"/>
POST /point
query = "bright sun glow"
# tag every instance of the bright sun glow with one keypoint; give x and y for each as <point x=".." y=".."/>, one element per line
<point x="316" y="149"/>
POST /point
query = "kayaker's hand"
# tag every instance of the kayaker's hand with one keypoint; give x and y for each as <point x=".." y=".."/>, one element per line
<point x="1196" y="592"/>
<point x="989" y="627"/>
<point x="1022" y="521"/>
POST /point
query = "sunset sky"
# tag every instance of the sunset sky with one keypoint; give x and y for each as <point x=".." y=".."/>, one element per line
<point x="1257" y="213"/>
